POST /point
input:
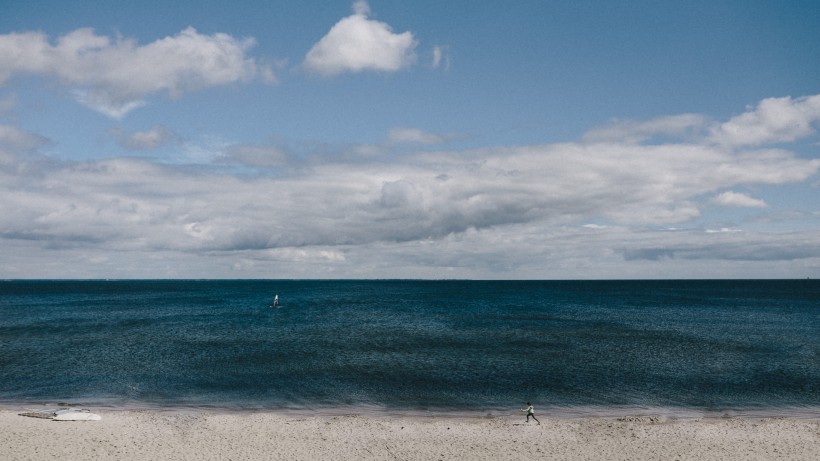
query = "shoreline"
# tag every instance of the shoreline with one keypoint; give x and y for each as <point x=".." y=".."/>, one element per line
<point x="555" y="412"/>
<point x="207" y="434"/>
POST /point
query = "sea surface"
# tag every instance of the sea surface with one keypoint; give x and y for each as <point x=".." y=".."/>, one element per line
<point x="451" y="346"/>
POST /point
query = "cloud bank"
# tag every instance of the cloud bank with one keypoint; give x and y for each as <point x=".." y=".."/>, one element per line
<point x="574" y="208"/>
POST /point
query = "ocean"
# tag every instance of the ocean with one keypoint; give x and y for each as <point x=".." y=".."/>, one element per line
<point x="421" y="346"/>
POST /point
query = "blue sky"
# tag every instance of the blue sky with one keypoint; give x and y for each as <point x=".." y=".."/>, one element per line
<point x="425" y="139"/>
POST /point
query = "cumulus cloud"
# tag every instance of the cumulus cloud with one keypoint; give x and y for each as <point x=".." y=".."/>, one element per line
<point x="773" y="120"/>
<point x="153" y="138"/>
<point x="115" y="75"/>
<point x="737" y="199"/>
<point x="357" y="43"/>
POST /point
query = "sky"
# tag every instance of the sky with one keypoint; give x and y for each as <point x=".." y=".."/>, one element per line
<point x="394" y="139"/>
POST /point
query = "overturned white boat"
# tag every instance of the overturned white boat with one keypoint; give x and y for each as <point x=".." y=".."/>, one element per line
<point x="63" y="414"/>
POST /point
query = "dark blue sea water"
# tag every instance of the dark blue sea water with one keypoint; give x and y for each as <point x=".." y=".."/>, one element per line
<point x="413" y="345"/>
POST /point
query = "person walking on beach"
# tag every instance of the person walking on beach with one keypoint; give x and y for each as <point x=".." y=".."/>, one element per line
<point x="531" y="412"/>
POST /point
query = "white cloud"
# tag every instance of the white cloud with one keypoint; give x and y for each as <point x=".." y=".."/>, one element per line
<point x="365" y="202"/>
<point x="737" y="199"/>
<point x="294" y="255"/>
<point x="437" y="56"/>
<point x="722" y="230"/>
<point x="773" y="120"/>
<point x="153" y="138"/>
<point x="18" y="151"/>
<point x="17" y="140"/>
<point x="441" y="58"/>
<point x="204" y="151"/>
<point x="630" y="131"/>
<point x="113" y="76"/>
<point x="406" y="135"/>
<point x="357" y="43"/>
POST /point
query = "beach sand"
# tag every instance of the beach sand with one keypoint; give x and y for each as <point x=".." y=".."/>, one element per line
<point x="197" y="435"/>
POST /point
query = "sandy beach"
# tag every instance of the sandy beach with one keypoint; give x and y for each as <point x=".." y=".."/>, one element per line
<point x="196" y="435"/>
